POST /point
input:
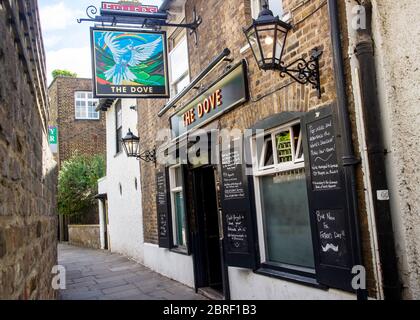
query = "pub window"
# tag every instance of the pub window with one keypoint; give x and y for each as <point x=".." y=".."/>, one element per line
<point x="118" y="126"/>
<point x="275" y="5"/>
<point x="178" y="207"/>
<point x="178" y="64"/>
<point x="85" y="106"/>
<point x="282" y="200"/>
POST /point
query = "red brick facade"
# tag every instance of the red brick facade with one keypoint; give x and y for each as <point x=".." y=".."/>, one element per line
<point x="74" y="135"/>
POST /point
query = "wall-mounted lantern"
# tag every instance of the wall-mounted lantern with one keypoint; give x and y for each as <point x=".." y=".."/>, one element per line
<point x="131" y="144"/>
<point x="267" y="38"/>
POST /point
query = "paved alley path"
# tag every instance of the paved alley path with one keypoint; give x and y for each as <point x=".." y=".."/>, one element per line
<point x="96" y="274"/>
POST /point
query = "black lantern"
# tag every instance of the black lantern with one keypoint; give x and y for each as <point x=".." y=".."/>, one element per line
<point x="131" y="145"/>
<point x="267" y="38"/>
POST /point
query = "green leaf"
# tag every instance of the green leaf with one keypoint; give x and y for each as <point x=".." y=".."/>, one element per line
<point x="77" y="184"/>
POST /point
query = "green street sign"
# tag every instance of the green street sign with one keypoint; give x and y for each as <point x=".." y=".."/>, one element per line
<point x="52" y="135"/>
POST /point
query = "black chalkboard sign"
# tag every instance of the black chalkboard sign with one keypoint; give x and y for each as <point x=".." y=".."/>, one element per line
<point x="236" y="232"/>
<point x="238" y="214"/>
<point x="328" y="202"/>
<point x="331" y="228"/>
<point x="323" y="155"/>
<point x="233" y="185"/>
<point x="162" y="206"/>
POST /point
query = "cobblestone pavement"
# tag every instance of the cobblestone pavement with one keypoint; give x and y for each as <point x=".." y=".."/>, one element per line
<point x="98" y="275"/>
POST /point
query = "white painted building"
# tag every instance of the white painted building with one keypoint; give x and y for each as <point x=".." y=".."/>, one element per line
<point x="120" y="209"/>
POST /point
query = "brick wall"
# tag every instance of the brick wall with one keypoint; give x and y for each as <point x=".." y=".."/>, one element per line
<point x="85" y="236"/>
<point x="28" y="217"/>
<point x="74" y="135"/>
<point x="221" y="28"/>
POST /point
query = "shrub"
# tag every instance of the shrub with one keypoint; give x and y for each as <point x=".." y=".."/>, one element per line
<point x="63" y="73"/>
<point x="78" y="184"/>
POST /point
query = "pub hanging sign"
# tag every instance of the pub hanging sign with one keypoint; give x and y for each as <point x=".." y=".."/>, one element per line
<point x="129" y="64"/>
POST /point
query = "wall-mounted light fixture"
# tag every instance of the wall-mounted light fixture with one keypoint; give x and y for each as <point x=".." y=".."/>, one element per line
<point x="131" y="144"/>
<point x="267" y="38"/>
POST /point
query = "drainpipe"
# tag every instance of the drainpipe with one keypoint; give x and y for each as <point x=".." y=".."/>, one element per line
<point x="349" y="160"/>
<point x="360" y="128"/>
<point x="376" y="154"/>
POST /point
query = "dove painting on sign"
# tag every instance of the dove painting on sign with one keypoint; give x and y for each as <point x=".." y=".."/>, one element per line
<point x="129" y="63"/>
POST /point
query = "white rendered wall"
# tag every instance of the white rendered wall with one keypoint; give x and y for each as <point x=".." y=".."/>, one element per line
<point x="124" y="211"/>
<point x="396" y="32"/>
<point x="247" y="285"/>
<point x="101" y="211"/>
<point x="173" y="265"/>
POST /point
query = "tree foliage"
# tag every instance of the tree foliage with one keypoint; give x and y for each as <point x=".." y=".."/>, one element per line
<point x="78" y="184"/>
<point x="63" y="73"/>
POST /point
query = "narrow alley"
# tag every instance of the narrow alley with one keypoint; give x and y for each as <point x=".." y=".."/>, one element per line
<point x="225" y="152"/>
<point x="101" y="275"/>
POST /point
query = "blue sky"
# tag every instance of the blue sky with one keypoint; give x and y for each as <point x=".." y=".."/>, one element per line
<point x="67" y="43"/>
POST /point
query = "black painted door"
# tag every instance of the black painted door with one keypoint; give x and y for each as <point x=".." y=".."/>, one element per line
<point x="209" y="246"/>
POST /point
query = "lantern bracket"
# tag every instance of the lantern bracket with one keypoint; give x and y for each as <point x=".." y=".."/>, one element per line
<point x="147" y="156"/>
<point x="305" y="71"/>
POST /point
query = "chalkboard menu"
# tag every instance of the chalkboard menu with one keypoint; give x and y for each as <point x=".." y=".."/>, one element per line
<point x="236" y="236"/>
<point x="162" y="210"/>
<point x="333" y="237"/>
<point x="237" y="210"/>
<point x="323" y="155"/>
<point x="233" y="186"/>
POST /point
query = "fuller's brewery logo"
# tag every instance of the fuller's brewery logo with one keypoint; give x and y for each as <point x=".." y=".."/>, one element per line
<point x="126" y="6"/>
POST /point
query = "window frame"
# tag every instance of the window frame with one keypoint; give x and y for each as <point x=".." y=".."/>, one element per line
<point x="174" y="189"/>
<point x="118" y="143"/>
<point x="268" y="267"/>
<point x="177" y="40"/>
<point x="256" y="6"/>
<point x="86" y="100"/>
<point x="296" y="163"/>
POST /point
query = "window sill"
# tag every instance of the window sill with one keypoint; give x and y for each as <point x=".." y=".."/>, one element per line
<point x="86" y="119"/>
<point x="299" y="279"/>
<point x="178" y="250"/>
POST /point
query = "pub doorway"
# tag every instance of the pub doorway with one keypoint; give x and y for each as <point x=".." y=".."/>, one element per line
<point x="208" y="247"/>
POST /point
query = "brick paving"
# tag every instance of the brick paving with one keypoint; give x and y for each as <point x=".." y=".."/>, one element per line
<point x="101" y="275"/>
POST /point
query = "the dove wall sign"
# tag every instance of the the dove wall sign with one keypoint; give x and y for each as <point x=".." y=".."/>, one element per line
<point x="129" y="63"/>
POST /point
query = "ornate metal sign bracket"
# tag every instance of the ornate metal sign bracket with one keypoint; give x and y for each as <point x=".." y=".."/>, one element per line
<point x="145" y="21"/>
<point x="304" y="71"/>
<point x="147" y="156"/>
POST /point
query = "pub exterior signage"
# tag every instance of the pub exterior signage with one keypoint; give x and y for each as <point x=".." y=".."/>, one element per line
<point x="226" y="93"/>
<point x="126" y="7"/>
<point x="127" y="63"/>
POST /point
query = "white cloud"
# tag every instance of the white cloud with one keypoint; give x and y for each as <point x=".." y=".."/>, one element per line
<point x="51" y="40"/>
<point x="57" y="17"/>
<point x="73" y="59"/>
